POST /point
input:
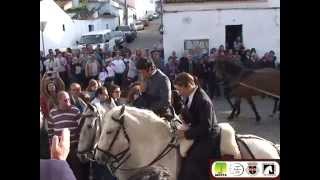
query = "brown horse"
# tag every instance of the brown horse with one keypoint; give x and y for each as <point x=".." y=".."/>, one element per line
<point x="246" y="83"/>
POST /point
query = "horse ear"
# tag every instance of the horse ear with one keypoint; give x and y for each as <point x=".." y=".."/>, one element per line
<point x="122" y="110"/>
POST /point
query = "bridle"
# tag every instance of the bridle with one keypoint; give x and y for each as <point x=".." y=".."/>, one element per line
<point x="114" y="162"/>
<point x="96" y="123"/>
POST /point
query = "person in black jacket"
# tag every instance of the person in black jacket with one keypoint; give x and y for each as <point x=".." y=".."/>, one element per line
<point x="157" y="91"/>
<point x="186" y="64"/>
<point x="204" y="129"/>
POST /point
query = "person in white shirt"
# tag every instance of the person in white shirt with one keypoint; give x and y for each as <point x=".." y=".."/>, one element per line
<point x="106" y="76"/>
<point x="103" y="99"/>
<point x="50" y="64"/>
<point x="60" y="64"/>
<point x="119" y="68"/>
<point x="132" y="75"/>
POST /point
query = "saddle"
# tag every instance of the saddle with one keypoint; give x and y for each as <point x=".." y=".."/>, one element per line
<point x="228" y="144"/>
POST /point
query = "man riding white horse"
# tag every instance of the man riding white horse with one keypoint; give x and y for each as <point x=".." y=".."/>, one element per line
<point x="204" y="129"/>
<point x="157" y="91"/>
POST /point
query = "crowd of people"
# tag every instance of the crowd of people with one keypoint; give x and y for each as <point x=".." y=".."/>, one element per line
<point x="71" y="79"/>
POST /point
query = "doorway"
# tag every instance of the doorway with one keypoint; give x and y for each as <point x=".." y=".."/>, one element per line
<point x="232" y="32"/>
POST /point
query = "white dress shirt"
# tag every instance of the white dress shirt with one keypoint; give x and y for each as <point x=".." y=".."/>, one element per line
<point x="191" y="97"/>
<point x="118" y="66"/>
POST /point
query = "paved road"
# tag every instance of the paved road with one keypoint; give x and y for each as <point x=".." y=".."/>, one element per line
<point x="148" y="37"/>
<point x="268" y="128"/>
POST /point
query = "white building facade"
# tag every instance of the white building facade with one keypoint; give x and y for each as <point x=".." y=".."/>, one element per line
<point x="211" y="24"/>
<point x="143" y="7"/>
<point x="61" y="31"/>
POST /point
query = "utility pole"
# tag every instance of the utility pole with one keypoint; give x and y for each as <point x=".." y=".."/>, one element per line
<point x="42" y="27"/>
<point x="161" y="10"/>
<point x="125" y="12"/>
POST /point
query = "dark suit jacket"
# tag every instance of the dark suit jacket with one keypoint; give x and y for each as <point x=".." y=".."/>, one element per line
<point x="158" y="92"/>
<point x="202" y="117"/>
<point x="184" y="66"/>
<point x="55" y="169"/>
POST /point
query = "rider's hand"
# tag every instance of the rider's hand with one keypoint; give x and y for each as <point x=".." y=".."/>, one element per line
<point x="60" y="149"/>
<point x="180" y="134"/>
<point x="142" y="87"/>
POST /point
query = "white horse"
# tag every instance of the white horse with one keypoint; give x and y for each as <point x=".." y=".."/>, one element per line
<point x="133" y="138"/>
<point x="90" y="131"/>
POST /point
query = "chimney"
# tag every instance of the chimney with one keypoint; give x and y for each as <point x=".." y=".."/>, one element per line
<point x="75" y="3"/>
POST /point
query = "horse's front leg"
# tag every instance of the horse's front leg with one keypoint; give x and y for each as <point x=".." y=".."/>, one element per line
<point x="234" y="108"/>
<point x="230" y="102"/>
<point x="253" y="106"/>
<point x="238" y="105"/>
<point x="275" y="107"/>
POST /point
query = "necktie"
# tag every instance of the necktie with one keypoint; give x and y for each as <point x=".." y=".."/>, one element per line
<point x="187" y="101"/>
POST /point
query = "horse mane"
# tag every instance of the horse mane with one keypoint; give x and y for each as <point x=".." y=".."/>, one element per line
<point x="141" y="115"/>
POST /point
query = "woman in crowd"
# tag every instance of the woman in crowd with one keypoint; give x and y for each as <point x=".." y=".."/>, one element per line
<point x="103" y="99"/>
<point x="50" y="85"/>
<point x="92" y="88"/>
<point x="254" y="57"/>
<point x="246" y="60"/>
<point x="115" y="93"/>
<point x="134" y="93"/>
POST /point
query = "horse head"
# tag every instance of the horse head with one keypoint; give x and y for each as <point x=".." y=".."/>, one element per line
<point x="90" y="131"/>
<point x="125" y="131"/>
<point x="114" y="137"/>
<point x="226" y="69"/>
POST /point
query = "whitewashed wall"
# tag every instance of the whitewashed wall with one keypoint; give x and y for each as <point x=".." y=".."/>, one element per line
<point x="131" y="12"/>
<point x="260" y="28"/>
<point x="144" y="5"/>
<point x="54" y="36"/>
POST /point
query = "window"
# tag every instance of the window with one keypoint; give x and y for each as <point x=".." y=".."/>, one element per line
<point x="91" y="28"/>
<point x="63" y="27"/>
<point x="107" y="26"/>
<point x="232" y="33"/>
<point x="201" y="44"/>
